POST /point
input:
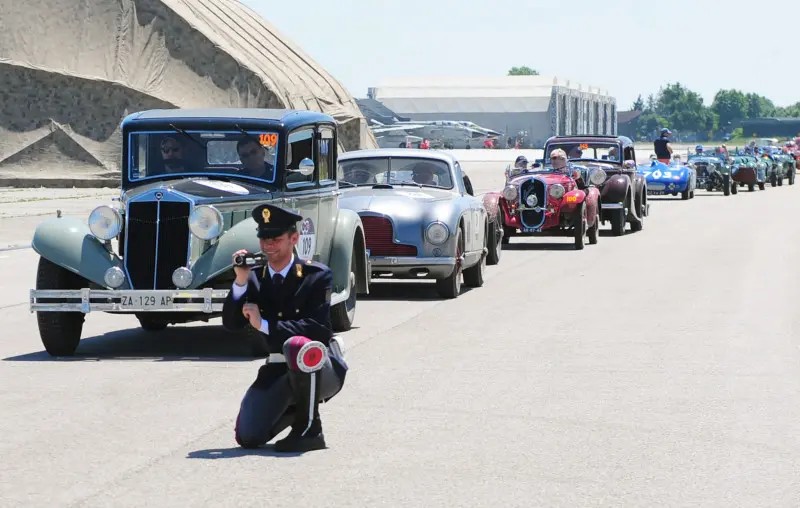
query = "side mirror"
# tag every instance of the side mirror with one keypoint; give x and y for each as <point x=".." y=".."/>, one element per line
<point x="629" y="164"/>
<point x="305" y="168"/>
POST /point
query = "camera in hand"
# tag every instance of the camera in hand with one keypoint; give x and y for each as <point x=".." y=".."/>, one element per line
<point x="250" y="260"/>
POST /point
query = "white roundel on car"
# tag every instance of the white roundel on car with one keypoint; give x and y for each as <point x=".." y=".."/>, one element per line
<point x="224" y="186"/>
<point x="307" y="243"/>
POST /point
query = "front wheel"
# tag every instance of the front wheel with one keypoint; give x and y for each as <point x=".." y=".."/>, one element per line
<point x="494" y="242"/>
<point x="450" y="286"/>
<point x="618" y="222"/>
<point x="343" y="314"/>
<point x="580" y="227"/>
<point x="594" y="231"/>
<point x="726" y="185"/>
<point x="734" y="188"/>
<point x="60" y="331"/>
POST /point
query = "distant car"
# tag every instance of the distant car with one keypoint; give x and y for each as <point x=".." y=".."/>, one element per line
<point x="623" y="193"/>
<point x="783" y="166"/>
<point x="747" y="170"/>
<point x="421" y="217"/>
<point x="713" y="172"/>
<point x="543" y="201"/>
<point x="673" y="178"/>
<point x="184" y="209"/>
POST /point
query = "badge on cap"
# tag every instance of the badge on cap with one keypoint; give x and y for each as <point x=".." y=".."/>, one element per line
<point x="265" y="214"/>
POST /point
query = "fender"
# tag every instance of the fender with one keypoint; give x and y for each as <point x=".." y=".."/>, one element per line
<point x="615" y="189"/>
<point x="68" y="243"/>
<point x="218" y="258"/>
<point x="491" y="203"/>
<point x="572" y="200"/>
<point x="348" y="229"/>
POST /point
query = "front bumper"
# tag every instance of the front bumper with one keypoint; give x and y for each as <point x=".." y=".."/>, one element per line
<point x="661" y="188"/>
<point x="86" y="300"/>
<point x="412" y="267"/>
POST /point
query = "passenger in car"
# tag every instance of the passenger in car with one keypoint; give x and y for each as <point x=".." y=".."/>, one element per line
<point x="252" y="155"/>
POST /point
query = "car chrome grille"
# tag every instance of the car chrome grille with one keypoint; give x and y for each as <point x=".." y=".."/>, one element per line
<point x="379" y="235"/>
<point x="533" y="218"/>
<point x="157" y="239"/>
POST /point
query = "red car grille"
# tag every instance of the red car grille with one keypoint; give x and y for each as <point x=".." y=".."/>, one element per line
<point x="379" y="235"/>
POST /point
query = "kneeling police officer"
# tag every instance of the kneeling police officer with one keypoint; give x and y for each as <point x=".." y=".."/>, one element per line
<point x="287" y="300"/>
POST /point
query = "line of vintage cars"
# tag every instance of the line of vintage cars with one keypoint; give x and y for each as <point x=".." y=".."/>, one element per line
<point x="191" y="177"/>
<point x="718" y="171"/>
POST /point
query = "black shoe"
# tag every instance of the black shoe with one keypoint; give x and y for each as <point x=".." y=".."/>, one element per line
<point x="295" y="442"/>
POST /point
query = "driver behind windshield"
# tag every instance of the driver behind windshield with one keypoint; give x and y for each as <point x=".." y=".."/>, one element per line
<point x="172" y="154"/>
<point x="521" y="162"/>
<point x="358" y="174"/>
<point x="252" y="154"/>
<point x="423" y="174"/>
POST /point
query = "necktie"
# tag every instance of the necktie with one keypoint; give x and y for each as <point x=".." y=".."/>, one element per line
<point x="277" y="279"/>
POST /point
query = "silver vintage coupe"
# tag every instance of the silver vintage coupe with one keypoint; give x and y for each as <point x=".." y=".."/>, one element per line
<point x="421" y="218"/>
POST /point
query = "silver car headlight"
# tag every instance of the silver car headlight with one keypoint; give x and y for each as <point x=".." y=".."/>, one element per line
<point x="205" y="222"/>
<point x="510" y="193"/>
<point x="105" y="222"/>
<point x="437" y="233"/>
<point x="597" y="177"/>
<point x="557" y="191"/>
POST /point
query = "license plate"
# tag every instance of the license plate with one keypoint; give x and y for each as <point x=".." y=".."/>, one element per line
<point x="655" y="192"/>
<point x="147" y="301"/>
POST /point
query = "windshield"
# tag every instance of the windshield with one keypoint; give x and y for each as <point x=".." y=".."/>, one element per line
<point x="205" y="153"/>
<point x="419" y="172"/>
<point x="601" y="151"/>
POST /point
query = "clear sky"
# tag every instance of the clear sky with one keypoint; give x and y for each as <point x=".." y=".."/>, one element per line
<point x="628" y="47"/>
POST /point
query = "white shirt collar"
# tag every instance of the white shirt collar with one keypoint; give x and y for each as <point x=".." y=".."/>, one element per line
<point x="283" y="271"/>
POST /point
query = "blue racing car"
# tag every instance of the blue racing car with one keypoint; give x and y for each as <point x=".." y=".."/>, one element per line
<point x="672" y="178"/>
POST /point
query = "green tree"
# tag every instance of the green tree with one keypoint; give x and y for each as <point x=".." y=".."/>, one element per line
<point x="730" y="106"/>
<point x="759" y="106"/>
<point x="638" y="104"/>
<point x="523" y="71"/>
<point x="682" y="107"/>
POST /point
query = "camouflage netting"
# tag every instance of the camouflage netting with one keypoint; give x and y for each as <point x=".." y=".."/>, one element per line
<point x="70" y="71"/>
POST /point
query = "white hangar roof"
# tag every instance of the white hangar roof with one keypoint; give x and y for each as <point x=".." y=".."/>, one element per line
<point x="499" y="94"/>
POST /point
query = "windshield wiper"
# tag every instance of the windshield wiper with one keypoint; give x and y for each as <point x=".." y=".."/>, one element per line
<point x="181" y="131"/>
<point x="408" y="183"/>
<point x="347" y="184"/>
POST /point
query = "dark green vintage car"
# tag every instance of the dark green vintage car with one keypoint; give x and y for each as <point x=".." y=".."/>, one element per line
<point x="190" y="179"/>
<point x="783" y="167"/>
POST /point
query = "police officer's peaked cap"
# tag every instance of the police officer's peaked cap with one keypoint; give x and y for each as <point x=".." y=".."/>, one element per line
<point x="274" y="221"/>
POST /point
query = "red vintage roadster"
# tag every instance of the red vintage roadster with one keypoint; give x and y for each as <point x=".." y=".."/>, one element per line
<point x="549" y="202"/>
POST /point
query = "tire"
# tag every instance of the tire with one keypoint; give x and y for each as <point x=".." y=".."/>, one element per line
<point x="726" y="185"/>
<point x="507" y="234"/>
<point x="734" y="188"/>
<point x="594" y="232"/>
<point x="343" y="314"/>
<point x="791" y="176"/>
<point x="773" y="179"/>
<point x="780" y="182"/>
<point x="473" y="276"/>
<point x="580" y="229"/>
<point x="450" y="286"/>
<point x="761" y="186"/>
<point x="151" y="323"/>
<point x="60" y="331"/>
<point x="685" y="195"/>
<point x="494" y="242"/>
<point x="638" y="225"/>
<point x="618" y="222"/>
<point x="751" y="187"/>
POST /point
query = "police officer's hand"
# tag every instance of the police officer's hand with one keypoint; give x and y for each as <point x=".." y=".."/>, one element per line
<point x="242" y="272"/>
<point x="253" y="314"/>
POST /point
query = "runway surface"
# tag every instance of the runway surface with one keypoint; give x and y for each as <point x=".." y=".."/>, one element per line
<point x="656" y="369"/>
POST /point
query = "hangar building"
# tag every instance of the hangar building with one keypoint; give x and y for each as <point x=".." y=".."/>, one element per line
<point x="71" y="71"/>
<point x="540" y="105"/>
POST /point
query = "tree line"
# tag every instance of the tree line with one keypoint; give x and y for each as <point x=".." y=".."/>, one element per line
<point x="678" y="108"/>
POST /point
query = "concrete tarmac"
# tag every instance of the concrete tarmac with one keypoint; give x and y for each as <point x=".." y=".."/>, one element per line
<point x="655" y="369"/>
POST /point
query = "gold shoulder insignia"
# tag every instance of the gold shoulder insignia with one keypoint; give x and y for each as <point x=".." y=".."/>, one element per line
<point x="299" y="268"/>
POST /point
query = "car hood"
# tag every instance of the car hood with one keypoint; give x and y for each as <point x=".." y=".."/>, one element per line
<point x="386" y="201"/>
<point x="203" y="188"/>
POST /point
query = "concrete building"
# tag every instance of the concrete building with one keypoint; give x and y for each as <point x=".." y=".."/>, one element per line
<point x="540" y="106"/>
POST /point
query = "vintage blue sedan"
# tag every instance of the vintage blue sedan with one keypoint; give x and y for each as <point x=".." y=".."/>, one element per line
<point x="421" y="218"/>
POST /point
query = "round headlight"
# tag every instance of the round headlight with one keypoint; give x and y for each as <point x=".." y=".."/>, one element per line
<point x="105" y="222"/>
<point x="114" y="277"/>
<point x="182" y="277"/>
<point x="510" y="193"/>
<point x="557" y="191"/>
<point x="205" y="222"/>
<point x="531" y="200"/>
<point x="437" y="233"/>
<point x="597" y="177"/>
